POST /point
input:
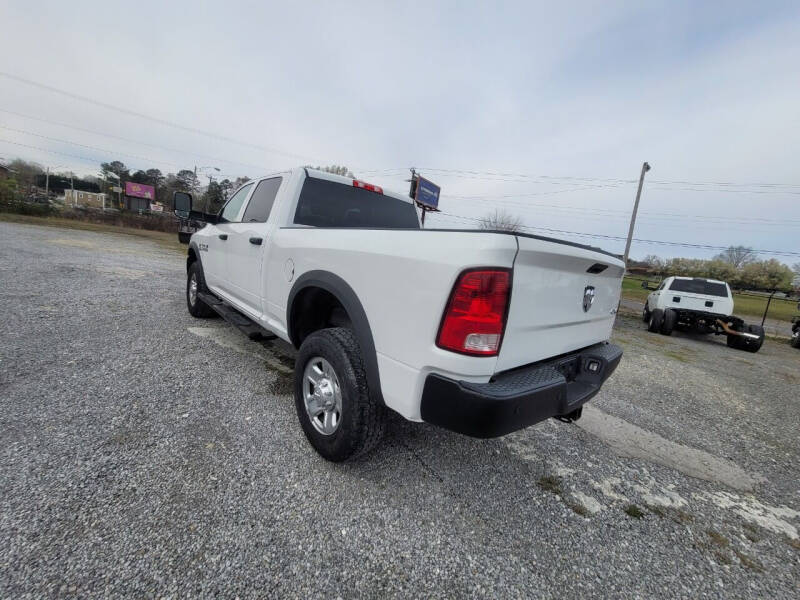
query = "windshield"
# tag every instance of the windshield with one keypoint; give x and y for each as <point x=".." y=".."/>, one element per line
<point x="325" y="203"/>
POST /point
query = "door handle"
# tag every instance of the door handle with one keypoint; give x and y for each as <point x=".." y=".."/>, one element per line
<point x="256" y="240"/>
<point x="223" y="236"/>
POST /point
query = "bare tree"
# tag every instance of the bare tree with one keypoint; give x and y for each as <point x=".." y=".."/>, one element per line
<point x="335" y="169"/>
<point x="796" y="268"/>
<point x="738" y="256"/>
<point x="500" y="220"/>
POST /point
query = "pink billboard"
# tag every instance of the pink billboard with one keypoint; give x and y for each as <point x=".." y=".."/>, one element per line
<point x="140" y="190"/>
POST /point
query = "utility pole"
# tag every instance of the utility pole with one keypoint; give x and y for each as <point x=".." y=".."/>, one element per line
<point x="47" y="184"/>
<point x="645" y="169"/>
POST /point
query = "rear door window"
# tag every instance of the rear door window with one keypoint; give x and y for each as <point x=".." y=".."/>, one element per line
<point x="700" y="286"/>
<point x="325" y="203"/>
<point x="261" y="201"/>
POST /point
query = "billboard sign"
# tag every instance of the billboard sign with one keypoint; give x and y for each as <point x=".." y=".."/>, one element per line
<point x="140" y="190"/>
<point x="427" y="193"/>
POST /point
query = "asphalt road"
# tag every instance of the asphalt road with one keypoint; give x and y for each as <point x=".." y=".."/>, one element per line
<point x="149" y="454"/>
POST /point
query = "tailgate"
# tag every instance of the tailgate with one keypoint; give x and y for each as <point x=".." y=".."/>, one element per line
<point x="682" y="300"/>
<point x="547" y="317"/>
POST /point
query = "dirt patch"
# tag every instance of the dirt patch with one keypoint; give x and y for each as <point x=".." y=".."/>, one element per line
<point x="632" y="441"/>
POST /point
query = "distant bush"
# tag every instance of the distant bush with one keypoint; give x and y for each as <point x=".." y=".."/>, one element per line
<point x="759" y="274"/>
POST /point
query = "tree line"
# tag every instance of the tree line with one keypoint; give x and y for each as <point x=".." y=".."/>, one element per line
<point x="25" y="181"/>
<point x="738" y="265"/>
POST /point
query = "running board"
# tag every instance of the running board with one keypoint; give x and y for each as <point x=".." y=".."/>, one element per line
<point x="249" y="327"/>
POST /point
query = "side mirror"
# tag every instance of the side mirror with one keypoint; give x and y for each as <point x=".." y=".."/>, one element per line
<point x="182" y="201"/>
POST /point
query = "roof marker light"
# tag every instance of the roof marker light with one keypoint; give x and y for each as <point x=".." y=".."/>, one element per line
<point x="367" y="186"/>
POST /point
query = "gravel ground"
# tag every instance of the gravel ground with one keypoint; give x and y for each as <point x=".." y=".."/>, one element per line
<point x="149" y="454"/>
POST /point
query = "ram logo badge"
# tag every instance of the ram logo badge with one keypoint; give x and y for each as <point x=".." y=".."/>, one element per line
<point x="588" y="298"/>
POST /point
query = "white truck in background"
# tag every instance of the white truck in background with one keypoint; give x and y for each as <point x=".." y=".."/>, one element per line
<point x="702" y="305"/>
<point x="479" y="332"/>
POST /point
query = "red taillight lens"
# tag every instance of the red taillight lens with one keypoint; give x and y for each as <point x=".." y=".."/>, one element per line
<point x="367" y="186"/>
<point x="475" y="316"/>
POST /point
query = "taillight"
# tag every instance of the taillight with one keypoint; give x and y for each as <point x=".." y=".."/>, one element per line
<point x="475" y="316"/>
<point x="367" y="186"/>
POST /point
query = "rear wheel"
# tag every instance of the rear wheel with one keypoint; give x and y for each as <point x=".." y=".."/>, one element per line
<point x="746" y="343"/>
<point x="656" y="318"/>
<point x="795" y="341"/>
<point x="670" y="319"/>
<point x="340" y="418"/>
<point x="750" y="344"/>
<point x="195" y="283"/>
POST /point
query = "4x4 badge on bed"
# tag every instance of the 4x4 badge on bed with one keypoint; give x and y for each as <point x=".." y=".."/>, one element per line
<point x="588" y="298"/>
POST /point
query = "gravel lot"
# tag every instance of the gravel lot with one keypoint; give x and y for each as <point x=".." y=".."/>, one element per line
<point x="148" y="454"/>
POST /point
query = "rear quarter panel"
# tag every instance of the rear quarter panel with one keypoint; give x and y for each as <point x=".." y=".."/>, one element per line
<point x="403" y="279"/>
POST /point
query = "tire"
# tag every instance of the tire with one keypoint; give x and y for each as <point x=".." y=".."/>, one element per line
<point x="656" y="318"/>
<point x="753" y="345"/>
<point x="670" y="319"/>
<point x="361" y="418"/>
<point x="742" y="343"/>
<point x="646" y="314"/>
<point x="197" y="308"/>
<point x="795" y="341"/>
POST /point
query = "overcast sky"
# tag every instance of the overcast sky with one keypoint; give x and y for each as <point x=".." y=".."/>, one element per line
<point x="708" y="93"/>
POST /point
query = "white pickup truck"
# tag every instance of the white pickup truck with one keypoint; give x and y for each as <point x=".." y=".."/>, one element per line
<point x="482" y="333"/>
<point x="702" y="305"/>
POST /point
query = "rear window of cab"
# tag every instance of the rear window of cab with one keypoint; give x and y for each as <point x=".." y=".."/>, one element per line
<point x="325" y="203"/>
<point x="700" y="286"/>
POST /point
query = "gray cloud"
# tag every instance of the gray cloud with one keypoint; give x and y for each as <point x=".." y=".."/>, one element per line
<point x="587" y="90"/>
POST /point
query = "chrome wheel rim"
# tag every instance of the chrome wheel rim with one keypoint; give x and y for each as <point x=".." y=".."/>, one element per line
<point x="322" y="395"/>
<point x="193" y="289"/>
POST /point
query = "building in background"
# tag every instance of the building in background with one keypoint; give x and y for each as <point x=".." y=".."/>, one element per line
<point x="138" y="196"/>
<point x="85" y="199"/>
<point x="5" y="170"/>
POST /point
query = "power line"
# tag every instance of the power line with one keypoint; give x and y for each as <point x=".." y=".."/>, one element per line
<point x="621" y="238"/>
<point x="609" y="179"/>
<point x="158" y="120"/>
<point x="117" y="137"/>
<point x="85" y="159"/>
<point x="620" y="214"/>
<point x="95" y="148"/>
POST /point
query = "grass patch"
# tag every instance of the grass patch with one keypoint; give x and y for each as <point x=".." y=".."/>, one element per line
<point x="722" y="558"/>
<point x="718" y="539"/>
<point x="751" y="532"/>
<point x="749" y="562"/>
<point x="679" y="356"/>
<point x="550" y="483"/>
<point x="579" y="508"/>
<point x="634" y="511"/>
<point x="675" y="514"/>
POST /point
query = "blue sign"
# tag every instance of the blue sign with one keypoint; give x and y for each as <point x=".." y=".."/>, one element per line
<point x="427" y="193"/>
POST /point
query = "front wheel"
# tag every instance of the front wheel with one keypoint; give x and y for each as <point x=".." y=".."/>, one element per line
<point x="195" y="283"/>
<point x="646" y="314"/>
<point x="338" y="415"/>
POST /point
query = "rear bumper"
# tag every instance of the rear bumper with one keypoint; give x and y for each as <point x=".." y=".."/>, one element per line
<point x="517" y="399"/>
